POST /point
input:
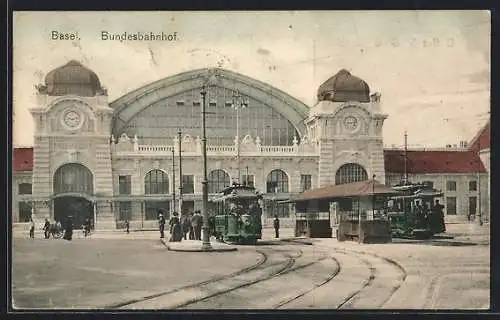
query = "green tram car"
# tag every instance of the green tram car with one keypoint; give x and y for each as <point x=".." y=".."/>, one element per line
<point x="412" y="213"/>
<point x="238" y="215"/>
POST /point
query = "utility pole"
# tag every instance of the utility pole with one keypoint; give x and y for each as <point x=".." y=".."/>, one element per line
<point x="238" y="103"/>
<point x="173" y="180"/>
<point x="179" y="135"/>
<point x="405" y="177"/>
<point x="480" y="218"/>
<point x="206" y="246"/>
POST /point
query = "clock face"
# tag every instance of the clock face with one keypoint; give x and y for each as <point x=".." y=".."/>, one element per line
<point x="351" y="123"/>
<point x="72" y="119"/>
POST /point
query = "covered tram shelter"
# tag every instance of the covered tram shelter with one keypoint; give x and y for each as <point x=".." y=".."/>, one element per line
<point x="357" y="210"/>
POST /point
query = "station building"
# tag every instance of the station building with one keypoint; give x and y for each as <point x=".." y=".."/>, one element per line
<point x="119" y="160"/>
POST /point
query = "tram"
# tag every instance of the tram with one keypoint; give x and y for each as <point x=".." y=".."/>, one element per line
<point x="413" y="214"/>
<point x="237" y="215"/>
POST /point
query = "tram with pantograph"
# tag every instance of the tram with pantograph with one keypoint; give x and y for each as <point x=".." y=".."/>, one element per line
<point x="414" y="213"/>
<point x="238" y="215"/>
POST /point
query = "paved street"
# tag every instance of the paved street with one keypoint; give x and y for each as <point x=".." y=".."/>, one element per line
<point x="135" y="271"/>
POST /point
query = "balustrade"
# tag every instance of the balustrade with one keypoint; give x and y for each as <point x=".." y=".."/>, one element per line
<point x="247" y="147"/>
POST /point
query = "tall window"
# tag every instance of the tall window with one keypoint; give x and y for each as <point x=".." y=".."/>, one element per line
<point x="218" y="180"/>
<point x="472" y="206"/>
<point x="153" y="207"/>
<point x="451" y="185"/>
<point x="472" y="185"/>
<point x="25" y="188"/>
<point x="282" y="210"/>
<point x="24" y="211"/>
<point x="187" y="183"/>
<point x="451" y="205"/>
<point x="248" y="180"/>
<point x="156" y="182"/>
<point x="73" y="177"/>
<point x="125" y="184"/>
<point x="277" y="181"/>
<point x="350" y="172"/>
<point x="305" y="182"/>
<point x="125" y="211"/>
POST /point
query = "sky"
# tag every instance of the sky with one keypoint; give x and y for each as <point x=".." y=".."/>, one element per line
<point x="432" y="68"/>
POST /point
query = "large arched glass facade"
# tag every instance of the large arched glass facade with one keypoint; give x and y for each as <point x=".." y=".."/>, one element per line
<point x="156" y="182"/>
<point x="350" y="172"/>
<point x="277" y="181"/>
<point x="73" y="177"/>
<point x="218" y="180"/>
<point x="161" y="121"/>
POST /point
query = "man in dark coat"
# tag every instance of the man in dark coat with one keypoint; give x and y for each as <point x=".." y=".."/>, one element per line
<point x="185" y="224"/>
<point x="439" y="217"/>
<point x="46" y="228"/>
<point x="161" y="222"/>
<point x="68" y="228"/>
<point x="276" y="224"/>
<point x="196" y="222"/>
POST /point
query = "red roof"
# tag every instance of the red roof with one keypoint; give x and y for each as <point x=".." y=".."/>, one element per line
<point x="22" y="159"/>
<point x="482" y="139"/>
<point x="433" y="161"/>
<point x="354" y="189"/>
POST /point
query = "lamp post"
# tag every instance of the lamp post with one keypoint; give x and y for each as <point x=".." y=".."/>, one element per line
<point x="206" y="246"/>
<point x="238" y="103"/>
<point x="179" y="135"/>
<point x="173" y="180"/>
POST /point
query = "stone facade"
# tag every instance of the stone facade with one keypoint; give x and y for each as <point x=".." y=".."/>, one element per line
<point x="86" y="129"/>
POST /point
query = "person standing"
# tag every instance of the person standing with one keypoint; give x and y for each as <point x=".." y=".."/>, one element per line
<point x="195" y="224"/>
<point x="176" y="229"/>
<point x="32" y="229"/>
<point x="191" y="228"/>
<point x="439" y="216"/>
<point x="68" y="229"/>
<point x="161" y="222"/>
<point x="46" y="229"/>
<point x="185" y="225"/>
<point x="127" y="226"/>
<point x="276" y="224"/>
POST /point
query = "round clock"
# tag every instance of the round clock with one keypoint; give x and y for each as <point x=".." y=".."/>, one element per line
<point x="350" y="123"/>
<point x="72" y="119"/>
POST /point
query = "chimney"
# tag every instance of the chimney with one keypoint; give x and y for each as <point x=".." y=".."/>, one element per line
<point x="463" y="144"/>
<point x="448" y="146"/>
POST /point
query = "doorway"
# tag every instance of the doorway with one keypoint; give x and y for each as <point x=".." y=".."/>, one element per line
<point x="77" y="207"/>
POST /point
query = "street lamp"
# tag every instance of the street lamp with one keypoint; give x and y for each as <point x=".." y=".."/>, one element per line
<point x="181" y="184"/>
<point x="238" y="103"/>
<point x="206" y="237"/>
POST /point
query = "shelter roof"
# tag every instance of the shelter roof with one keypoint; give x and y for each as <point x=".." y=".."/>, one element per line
<point x="354" y="189"/>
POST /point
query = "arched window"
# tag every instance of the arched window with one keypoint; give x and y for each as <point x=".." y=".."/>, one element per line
<point x="156" y="182"/>
<point x="277" y="181"/>
<point x="350" y="172"/>
<point x="73" y="177"/>
<point x="218" y="180"/>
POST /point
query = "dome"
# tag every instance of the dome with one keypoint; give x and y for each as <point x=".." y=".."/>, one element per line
<point x="72" y="78"/>
<point x="344" y="87"/>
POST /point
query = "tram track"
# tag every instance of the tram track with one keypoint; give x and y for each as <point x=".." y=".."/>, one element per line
<point x="367" y="295"/>
<point x="187" y="295"/>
